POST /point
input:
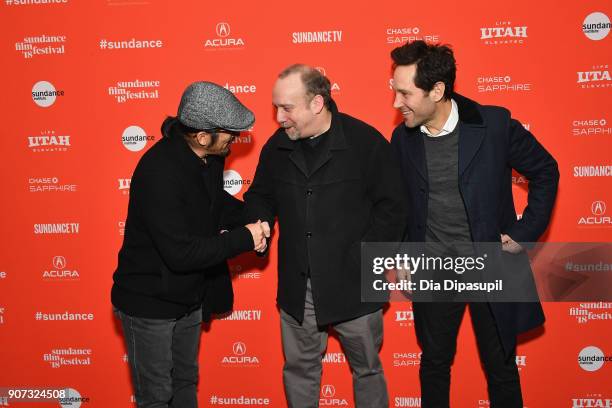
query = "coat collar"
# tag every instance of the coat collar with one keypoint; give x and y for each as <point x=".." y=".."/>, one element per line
<point x="472" y="128"/>
<point x="333" y="141"/>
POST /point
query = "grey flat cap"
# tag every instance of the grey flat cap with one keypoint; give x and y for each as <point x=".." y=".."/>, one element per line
<point x="205" y="106"/>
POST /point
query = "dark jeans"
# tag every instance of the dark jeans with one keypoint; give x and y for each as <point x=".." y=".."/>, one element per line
<point x="163" y="356"/>
<point x="436" y="325"/>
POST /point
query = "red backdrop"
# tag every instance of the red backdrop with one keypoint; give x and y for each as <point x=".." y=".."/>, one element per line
<point x="69" y="148"/>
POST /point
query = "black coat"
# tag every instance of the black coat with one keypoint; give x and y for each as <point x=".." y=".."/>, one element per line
<point x="491" y="144"/>
<point x="173" y="258"/>
<point x="349" y="196"/>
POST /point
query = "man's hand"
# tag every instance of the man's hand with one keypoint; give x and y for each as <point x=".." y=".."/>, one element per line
<point x="259" y="237"/>
<point x="509" y="245"/>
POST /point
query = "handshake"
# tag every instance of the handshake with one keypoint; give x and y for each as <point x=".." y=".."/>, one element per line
<point x="260" y="231"/>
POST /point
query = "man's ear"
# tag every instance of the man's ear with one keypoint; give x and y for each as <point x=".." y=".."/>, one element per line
<point x="317" y="103"/>
<point x="203" y="139"/>
<point x="438" y="91"/>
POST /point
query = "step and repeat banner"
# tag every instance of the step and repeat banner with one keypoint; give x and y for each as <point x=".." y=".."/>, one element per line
<point x="86" y="85"/>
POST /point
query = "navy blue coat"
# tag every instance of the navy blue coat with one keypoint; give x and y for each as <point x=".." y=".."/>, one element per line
<point x="491" y="144"/>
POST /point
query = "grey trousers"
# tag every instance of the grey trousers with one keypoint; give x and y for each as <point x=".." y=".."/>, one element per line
<point x="163" y="357"/>
<point x="304" y="345"/>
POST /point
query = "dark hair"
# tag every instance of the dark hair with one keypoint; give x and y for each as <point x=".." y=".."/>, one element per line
<point x="314" y="81"/>
<point x="434" y="63"/>
<point x="172" y="126"/>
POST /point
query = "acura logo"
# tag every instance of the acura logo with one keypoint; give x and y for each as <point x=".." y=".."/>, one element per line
<point x="223" y="29"/>
<point x="598" y="208"/>
<point x="328" y="391"/>
<point x="59" y="262"/>
<point x="239" y="348"/>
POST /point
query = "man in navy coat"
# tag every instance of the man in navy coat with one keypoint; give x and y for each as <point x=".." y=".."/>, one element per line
<point x="456" y="159"/>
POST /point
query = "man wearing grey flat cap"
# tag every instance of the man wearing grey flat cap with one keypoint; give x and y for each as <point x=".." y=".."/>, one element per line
<point x="172" y="271"/>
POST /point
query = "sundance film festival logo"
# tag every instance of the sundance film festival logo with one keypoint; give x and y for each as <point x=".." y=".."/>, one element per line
<point x="224" y="39"/>
<point x="593" y="311"/>
<point x="34" y="2"/>
<point x="598" y="216"/>
<point x="594" y="400"/>
<point x="68" y="357"/>
<point x="48" y="141"/>
<point x="137" y="90"/>
<point x="503" y="32"/>
<point x="44" y="94"/>
<point x="501" y="84"/>
<point x="134" y="138"/>
<point x="591" y="127"/>
<point x="62" y="228"/>
<point x="407" y="402"/>
<point x="330" y="399"/>
<point x="596" y="26"/>
<point x="334" y="85"/>
<point x="591" y="358"/>
<point x="49" y="185"/>
<point x="402" y="35"/>
<point x="233" y="182"/>
<point x="240" y="357"/>
<point x="314" y="37"/>
<point x="124" y="185"/>
<point x="597" y="77"/>
<point x="41" y="45"/>
<point x="60" y="271"/>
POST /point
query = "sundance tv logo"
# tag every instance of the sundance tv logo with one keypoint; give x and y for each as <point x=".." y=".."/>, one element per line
<point x="407" y="401"/>
<point x="224" y="40"/>
<point x="44" y="94"/>
<point x="502" y="33"/>
<point x="316" y="37"/>
<point x="48" y="141"/>
<point x="596" y="26"/>
<point x="60" y="271"/>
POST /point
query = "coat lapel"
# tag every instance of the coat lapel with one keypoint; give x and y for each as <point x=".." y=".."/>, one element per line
<point x="414" y="149"/>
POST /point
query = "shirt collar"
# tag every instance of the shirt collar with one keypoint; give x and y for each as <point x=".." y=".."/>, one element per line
<point x="451" y="122"/>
